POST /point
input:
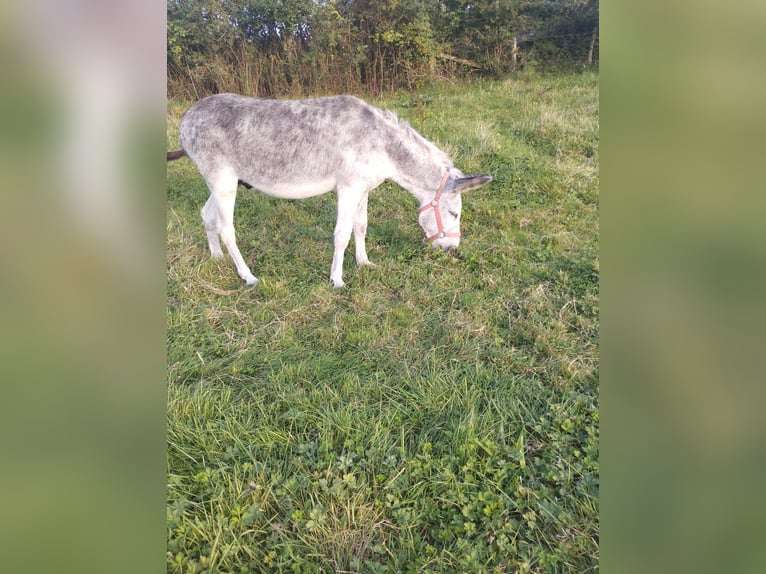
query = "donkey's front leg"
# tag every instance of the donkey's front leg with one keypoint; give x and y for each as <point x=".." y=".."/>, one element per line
<point x="360" y="231"/>
<point x="348" y="203"/>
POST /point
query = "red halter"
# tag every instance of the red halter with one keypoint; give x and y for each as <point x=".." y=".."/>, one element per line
<point x="434" y="203"/>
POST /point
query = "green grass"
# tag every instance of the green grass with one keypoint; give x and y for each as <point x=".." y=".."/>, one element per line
<point x="440" y="412"/>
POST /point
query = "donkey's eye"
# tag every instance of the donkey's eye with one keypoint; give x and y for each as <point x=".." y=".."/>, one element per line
<point x="453" y="214"/>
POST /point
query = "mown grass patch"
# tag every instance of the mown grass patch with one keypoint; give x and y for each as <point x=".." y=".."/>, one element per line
<point x="440" y="412"/>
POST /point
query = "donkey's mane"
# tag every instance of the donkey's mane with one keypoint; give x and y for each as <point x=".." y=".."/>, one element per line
<point x="409" y="133"/>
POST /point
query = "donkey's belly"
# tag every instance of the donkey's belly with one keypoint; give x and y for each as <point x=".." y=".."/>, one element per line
<point x="295" y="190"/>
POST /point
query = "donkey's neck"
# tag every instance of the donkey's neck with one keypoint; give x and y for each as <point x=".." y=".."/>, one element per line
<point x="418" y="166"/>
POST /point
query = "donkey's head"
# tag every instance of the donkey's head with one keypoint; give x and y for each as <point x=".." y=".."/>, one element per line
<point x="439" y="216"/>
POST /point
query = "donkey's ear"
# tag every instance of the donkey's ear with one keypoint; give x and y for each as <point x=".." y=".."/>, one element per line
<point x="468" y="182"/>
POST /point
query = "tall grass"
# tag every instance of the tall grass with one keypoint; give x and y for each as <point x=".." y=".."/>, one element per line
<point x="440" y="412"/>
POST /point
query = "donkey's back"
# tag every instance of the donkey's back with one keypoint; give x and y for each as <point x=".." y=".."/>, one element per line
<point x="287" y="148"/>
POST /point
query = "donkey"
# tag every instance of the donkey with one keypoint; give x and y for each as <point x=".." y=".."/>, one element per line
<point x="294" y="149"/>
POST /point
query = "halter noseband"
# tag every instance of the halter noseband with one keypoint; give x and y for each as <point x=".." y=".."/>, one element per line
<point x="434" y="204"/>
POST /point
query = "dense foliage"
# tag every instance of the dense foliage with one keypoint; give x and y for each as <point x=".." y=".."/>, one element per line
<point x="273" y="47"/>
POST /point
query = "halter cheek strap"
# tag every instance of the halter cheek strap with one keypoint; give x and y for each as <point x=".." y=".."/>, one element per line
<point x="434" y="204"/>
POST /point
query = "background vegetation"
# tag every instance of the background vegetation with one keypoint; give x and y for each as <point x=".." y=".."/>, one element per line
<point x="440" y="413"/>
<point x="298" y="47"/>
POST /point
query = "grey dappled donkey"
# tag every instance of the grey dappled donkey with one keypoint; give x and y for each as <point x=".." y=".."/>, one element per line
<point x="295" y="149"/>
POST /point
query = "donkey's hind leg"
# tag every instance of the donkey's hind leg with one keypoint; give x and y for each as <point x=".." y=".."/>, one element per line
<point x="223" y="189"/>
<point x="210" y="218"/>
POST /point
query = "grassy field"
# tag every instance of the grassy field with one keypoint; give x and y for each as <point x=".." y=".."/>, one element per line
<point x="440" y="412"/>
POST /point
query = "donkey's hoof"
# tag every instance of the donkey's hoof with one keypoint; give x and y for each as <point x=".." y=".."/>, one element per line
<point x="338" y="284"/>
<point x="251" y="281"/>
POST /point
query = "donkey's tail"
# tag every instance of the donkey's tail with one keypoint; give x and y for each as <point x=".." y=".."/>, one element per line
<point x="179" y="153"/>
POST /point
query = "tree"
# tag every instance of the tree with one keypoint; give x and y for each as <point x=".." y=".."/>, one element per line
<point x="269" y="47"/>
